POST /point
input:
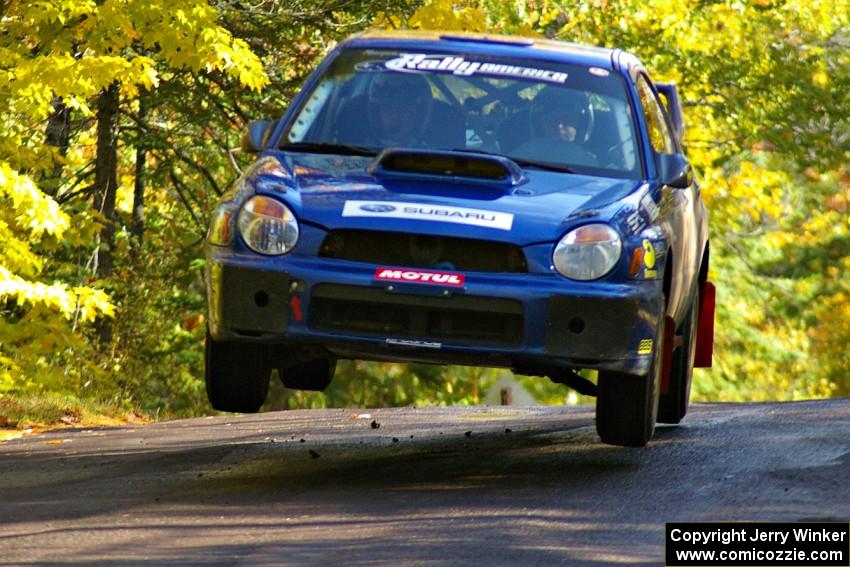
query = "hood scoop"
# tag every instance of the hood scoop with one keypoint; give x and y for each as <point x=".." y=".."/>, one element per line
<point x="447" y="166"/>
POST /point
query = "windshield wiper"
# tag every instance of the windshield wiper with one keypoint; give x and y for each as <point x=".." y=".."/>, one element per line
<point x="473" y="151"/>
<point x="541" y="165"/>
<point x="325" y="148"/>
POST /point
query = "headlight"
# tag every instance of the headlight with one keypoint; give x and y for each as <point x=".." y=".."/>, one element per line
<point x="588" y="252"/>
<point x="268" y="226"/>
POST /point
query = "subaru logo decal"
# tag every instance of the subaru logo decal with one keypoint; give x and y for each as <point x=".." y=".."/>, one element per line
<point x="377" y="208"/>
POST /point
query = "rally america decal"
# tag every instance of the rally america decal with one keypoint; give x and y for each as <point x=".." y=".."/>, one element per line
<point x="421" y="62"/>
<point x="440" y="213"/>
<point x="451" y="279"/>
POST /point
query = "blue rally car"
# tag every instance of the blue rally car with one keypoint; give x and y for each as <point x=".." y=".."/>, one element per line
<point x="468" y="199"/>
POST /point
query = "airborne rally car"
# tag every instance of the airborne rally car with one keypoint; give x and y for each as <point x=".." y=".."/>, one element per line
<point x="467" y="199"/>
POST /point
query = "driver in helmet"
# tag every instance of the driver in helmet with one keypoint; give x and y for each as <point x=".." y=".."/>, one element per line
<point x="560" y="121"/>
<point x="399" y="106"/>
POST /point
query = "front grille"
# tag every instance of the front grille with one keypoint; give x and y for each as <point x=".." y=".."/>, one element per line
<point x="423" y="251"/>
<point x="459" y="318"/>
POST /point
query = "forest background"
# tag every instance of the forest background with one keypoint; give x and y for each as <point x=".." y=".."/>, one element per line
<point x="119" y="118"/>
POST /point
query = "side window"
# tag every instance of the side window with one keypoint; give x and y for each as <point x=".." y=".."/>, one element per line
<point x="659" y="134"/>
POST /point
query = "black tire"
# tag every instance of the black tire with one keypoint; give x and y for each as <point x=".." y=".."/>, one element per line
<point x="627" y="405"/>
<point x="315" y="375"/>
<point x="237" y="375"/>
<point x="673" y="405"/>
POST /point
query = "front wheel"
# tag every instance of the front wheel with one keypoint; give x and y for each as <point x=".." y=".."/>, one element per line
<point x="236" y="375"/>
<point x="627" y="405"/>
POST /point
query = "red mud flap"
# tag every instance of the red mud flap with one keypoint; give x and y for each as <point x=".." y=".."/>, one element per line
<point x="705" y="326"/>
<point x="669" y="346"/>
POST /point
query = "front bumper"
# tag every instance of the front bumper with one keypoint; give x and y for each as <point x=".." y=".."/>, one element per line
<point x="529" y="321"/>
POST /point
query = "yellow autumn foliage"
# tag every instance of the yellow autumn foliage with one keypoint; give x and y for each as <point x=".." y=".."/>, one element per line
<point x="68" y="51"/>
<point x="759" y="81"/>
<point x="445" y="15"/>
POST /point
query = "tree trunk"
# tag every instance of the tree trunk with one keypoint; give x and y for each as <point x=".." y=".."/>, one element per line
<point x="138" y="226"/>
<point x="58" y="135"/>
<point x="106" y="175"/>
<point x="105" y="187"/>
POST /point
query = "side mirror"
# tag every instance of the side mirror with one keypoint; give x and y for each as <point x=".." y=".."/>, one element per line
<point x="670" y="95"/>
<point x="255" y="137"/>
<point x="675" y="171"/>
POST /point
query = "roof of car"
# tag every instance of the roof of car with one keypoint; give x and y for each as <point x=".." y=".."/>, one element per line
<point x="505" y="45"/>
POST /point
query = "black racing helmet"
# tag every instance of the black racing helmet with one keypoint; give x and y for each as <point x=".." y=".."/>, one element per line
<point x="574" y="106"/>
<point x="391" y="87"/>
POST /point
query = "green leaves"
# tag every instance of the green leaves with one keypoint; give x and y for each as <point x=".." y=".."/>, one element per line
<point x="56" y="53"/>
<point x="766" y="88"/>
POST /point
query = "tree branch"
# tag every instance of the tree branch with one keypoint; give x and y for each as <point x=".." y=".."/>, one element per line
<point x="177" y="188"/>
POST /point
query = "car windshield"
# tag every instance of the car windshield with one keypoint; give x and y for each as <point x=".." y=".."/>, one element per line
<point x="541" y="114"/>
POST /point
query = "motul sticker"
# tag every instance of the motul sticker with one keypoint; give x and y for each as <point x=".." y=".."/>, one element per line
<point x="451" y="279"/>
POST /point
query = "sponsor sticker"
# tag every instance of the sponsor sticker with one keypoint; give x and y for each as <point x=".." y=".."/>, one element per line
<point x="413" y="343"/>
<point x="438" y="213"/>
<point x="648" y="254"/>
<point x="649" y="260"/>
<point x="377" y="208"/>
<point x="647" y="204"/>
<point x="451" y="279"/>
<point x="636" y="222"/>
<point x="456" y="65"/>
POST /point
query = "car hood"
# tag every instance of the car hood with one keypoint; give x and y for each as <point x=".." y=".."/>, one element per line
<point x="336" y="192"/>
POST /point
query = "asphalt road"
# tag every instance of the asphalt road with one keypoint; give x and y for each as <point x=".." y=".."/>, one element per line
<point x="429" y="487"/>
